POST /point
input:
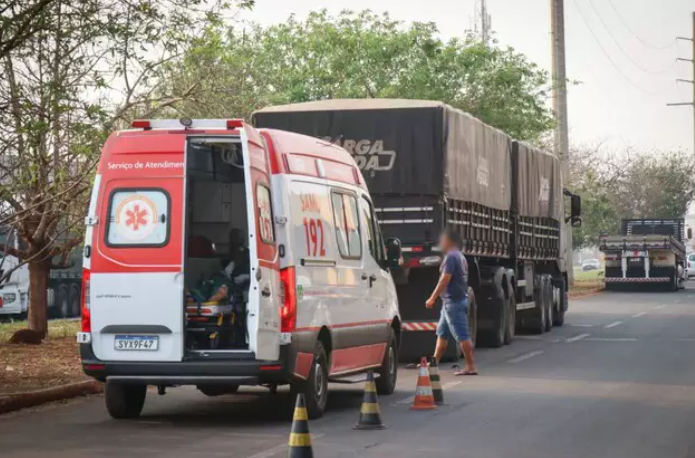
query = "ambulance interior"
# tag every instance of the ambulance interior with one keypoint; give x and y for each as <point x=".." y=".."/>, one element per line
<point x="216" y="269"/>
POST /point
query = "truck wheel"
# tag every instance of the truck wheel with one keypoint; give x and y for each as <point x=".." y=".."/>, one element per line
<point x="472" y="317"/>
<point x="549" y="307"/>
<point x="538" y="319"/>
<point x="74" y="300"/>
<point x="494" y="338"/>
<point x="315" y="388"/>
<point x="510" y="330"/>
<point x="124" y="401"/>
<point x="63" y="301"/>
<point x="218" y="390"/>
<point x="674" y="281"/>
<point x="559" y="316"/>
<point x="388" y="372"/>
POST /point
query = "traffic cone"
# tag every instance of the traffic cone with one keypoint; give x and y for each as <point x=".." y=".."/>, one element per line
<point x="370" y="417"/>
<point x="424" y="400"/>
<point x="300" y="437"/>
<point x="437" y="390"/>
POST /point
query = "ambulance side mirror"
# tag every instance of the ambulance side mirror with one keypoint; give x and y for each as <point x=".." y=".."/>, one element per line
<point x="394" y="253"/>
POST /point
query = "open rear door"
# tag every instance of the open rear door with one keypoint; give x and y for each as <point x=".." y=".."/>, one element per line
<point x="264" y="301"/>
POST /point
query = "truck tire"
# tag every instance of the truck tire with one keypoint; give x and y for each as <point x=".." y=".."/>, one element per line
<point x="388" y="372"/>
<point x="674" y="281"/>
<point x="315" y="388"/>
<point x="510" y="329"/>
<point x="550" y="309"/>
<point x="472" y="318"/>
<point x="559" y="316"/>
<point x="536" y="324"/>
<point x="124" y="401"/>
<point x="496" y="313"/>
<point x="63" y="309"/>
<point x="74" y="300"/>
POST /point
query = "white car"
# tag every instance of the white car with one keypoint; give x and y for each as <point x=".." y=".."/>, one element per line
<point x="690" y="266"/>
<point x="177" y="208"/>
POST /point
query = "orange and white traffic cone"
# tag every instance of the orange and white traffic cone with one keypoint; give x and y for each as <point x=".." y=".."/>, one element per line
<point x="424" y="399"/>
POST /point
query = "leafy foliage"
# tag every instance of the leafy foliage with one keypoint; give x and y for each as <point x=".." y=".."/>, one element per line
<point x="361" y="55"/>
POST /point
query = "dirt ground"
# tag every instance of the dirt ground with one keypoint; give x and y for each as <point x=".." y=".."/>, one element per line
<point x="34" y="367"/>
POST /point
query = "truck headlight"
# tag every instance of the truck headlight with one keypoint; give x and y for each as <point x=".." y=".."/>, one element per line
<point x="9" y="298"/>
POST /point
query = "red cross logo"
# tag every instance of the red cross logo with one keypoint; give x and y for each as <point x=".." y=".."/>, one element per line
<point x="136" y="217"/>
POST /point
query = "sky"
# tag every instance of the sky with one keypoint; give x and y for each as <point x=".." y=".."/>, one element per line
<point x="621" y="53"/>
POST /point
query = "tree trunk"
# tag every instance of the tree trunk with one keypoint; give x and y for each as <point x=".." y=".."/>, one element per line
<point x="38" y="296"/>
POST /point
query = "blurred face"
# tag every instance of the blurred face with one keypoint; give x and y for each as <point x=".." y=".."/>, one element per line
<point x="445" y="243"/>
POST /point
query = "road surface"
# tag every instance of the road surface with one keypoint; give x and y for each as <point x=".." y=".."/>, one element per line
<point x="617" y="381"/>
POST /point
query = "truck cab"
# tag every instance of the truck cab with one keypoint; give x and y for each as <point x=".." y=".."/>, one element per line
<point x="218" y="255"/>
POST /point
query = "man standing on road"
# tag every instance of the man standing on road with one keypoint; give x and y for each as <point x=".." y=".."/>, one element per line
<point x="453" y="289"/>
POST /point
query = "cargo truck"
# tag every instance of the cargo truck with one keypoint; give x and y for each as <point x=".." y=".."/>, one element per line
<point x="647" y="251"/>
<point x="429" y="166"/>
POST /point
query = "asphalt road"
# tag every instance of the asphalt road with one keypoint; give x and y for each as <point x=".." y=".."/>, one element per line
<point x="617" y="381"/>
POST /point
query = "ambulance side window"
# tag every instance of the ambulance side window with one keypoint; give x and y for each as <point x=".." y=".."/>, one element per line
<point x="374" y="239"/>
<point x="347" y="225"/>
<point x="138" y="218"/>
<point x="265" y="217"/>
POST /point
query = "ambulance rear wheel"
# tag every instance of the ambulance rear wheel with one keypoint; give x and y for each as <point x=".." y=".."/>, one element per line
<point x="124" y="401"/>
<point x="315" y="388"/>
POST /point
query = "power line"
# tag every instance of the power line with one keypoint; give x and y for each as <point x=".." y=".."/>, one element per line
<point x="615" y="40"/>
<point x="636" y="35"/>
<point x="610" y="59"/>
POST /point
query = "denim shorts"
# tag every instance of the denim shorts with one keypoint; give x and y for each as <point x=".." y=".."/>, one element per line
<point x="453" y="321"/>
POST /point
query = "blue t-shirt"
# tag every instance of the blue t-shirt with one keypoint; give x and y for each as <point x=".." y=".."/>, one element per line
<point x="455" y="265"/>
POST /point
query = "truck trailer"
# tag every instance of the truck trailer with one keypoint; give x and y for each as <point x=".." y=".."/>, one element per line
<point x="429" y="166"/>
<point x="646" y="252"/>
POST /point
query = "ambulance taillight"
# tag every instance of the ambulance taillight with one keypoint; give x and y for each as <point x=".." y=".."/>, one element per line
<point x="85" y="312"/>
<point x="288" y="296"/>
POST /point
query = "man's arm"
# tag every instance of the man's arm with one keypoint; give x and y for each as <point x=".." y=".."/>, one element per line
<point x="444" y="280"/>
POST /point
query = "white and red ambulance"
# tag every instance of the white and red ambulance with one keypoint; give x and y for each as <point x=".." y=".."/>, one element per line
<point x="313" y="300"/>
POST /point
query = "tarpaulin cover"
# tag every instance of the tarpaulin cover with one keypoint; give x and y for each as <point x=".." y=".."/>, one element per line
<point x="409" y="147"/>
<point x="538" y="183"/>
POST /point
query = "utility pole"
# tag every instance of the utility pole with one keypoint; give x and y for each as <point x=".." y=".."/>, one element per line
<point x="692" y="81"/>
<point x="557" y="17"/>
<point x="483" y="20"/>
<point x="560" y="84"/>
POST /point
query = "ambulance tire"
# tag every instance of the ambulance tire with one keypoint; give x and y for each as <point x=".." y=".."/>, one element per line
<point x="388" y="372"/>
<point x="124" y="401"/>
<point x="315" y="388"/>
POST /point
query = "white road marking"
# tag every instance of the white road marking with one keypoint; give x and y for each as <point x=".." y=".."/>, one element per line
<point x="529" y="337"/>
<point x="658" y="307"/>
<point x="576" y="338"/>
<point x="278" y="448"/>
<point x="613" y="324"/>
<point x="446" y="386"/>
<point x="407" y="400"/>
<point x="518" y="359"/>
<point x="637" y="315"/>
<point x="612" y="339"/>
<point x="581" y="325"/>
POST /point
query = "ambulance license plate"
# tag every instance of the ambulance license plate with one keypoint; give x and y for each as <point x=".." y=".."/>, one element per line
<point x="147" y="343"/>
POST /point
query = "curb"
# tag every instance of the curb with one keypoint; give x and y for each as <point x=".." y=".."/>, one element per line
<point x="17" y="401"/>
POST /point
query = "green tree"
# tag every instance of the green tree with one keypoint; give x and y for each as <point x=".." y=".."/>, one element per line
<point x="89" y="67"/>
<point x="363" y="55"/>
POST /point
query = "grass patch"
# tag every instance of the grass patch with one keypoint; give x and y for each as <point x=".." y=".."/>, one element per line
<point x="57" y="329"/>
<point x="589" y="276"/>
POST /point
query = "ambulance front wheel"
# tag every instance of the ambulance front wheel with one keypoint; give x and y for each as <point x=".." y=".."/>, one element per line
<point x="388" y="372"/>
<point x="124" y="401"/>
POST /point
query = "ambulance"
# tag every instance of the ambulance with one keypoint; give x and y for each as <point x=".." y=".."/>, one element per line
<point x="219" y="255"/>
